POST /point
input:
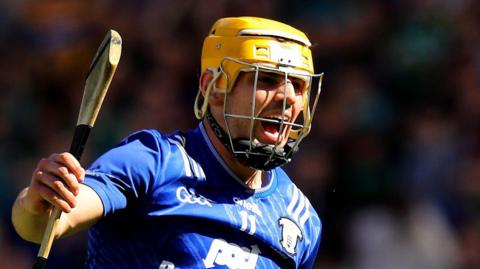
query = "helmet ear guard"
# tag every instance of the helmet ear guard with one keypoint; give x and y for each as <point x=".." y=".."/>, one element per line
<point x="248" y="44"/>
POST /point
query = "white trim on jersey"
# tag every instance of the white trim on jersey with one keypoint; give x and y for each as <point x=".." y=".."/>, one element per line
<point x="305" y="216"/>
<point x="190" y="165"/>
<point x="186" y="163"/>
<point x="299" y="208"/>
<point x="293" y="201"/>
<point x="301" y="204"/>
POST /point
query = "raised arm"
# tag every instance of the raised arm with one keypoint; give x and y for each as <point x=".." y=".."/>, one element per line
<point x="56" y="181"/>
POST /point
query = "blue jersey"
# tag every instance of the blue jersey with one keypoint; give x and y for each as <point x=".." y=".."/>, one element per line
<point x="170" y="201"/>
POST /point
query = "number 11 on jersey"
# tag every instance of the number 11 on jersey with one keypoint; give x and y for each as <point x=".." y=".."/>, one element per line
<point x="248" y="222"/>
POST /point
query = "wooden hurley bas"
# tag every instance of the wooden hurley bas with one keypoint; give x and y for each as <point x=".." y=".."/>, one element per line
<point x="98" y="80"/>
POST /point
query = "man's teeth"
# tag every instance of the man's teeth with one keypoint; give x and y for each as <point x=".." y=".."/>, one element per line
<point x="279" y="119"/>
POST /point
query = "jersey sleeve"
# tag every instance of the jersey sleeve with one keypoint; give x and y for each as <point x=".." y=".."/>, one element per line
<point x="311" y="255"/>
<point x="127" y="172"/>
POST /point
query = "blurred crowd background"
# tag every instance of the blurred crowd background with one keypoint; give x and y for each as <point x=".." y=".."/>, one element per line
<point x="393" y="161"/>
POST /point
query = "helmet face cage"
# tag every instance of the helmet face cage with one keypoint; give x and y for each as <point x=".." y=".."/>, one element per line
<point x="297" y="129"/>
<point x="258" y="45"/>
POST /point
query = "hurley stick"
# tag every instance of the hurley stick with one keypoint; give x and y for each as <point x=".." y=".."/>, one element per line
<point x="99" y="76"/>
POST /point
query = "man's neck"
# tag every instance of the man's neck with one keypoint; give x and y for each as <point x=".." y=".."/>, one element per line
<point x="251" y="177"/>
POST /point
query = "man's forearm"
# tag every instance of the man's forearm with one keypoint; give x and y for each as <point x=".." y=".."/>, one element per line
<point x="28" y="225"/>
<point x="31" y="226"/>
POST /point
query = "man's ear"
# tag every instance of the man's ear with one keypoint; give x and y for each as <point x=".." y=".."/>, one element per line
<point x="206" y="80"/>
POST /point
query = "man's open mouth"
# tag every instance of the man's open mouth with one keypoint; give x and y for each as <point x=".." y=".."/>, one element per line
<point x="272" y="125"/>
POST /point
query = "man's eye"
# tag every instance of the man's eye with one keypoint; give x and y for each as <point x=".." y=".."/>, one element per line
<point x="267" y="80"/>
<point x="298" y="86"/>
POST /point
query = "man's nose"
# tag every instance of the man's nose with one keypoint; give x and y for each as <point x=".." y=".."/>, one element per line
<point x="286" y="91"/>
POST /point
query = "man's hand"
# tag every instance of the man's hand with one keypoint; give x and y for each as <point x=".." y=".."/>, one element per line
<point x="55" y="181"/>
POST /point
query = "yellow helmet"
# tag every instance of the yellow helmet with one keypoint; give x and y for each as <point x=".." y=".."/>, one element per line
<point x="254" y="40"/>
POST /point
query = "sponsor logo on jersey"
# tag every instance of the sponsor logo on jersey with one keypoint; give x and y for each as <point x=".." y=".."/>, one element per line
<point x="189" y="196"/>
<point x="291" y="234"/>
<point x="231" y="255"/>
<point x="247" y="205"/>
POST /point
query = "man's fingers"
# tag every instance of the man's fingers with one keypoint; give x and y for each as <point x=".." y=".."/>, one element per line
<point x="58" y="187"/>
<point x="62" y="173"/>
<point x="53" y="198"/>
<point x="56" y="181"/>
<point x="72" y="164"/>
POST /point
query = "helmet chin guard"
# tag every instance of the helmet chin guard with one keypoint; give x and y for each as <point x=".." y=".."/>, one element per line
<point x="254" y="154"/>
<point x="248" y="150"/>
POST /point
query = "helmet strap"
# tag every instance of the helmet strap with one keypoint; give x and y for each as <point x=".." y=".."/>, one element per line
<point x="201" y="110"/>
